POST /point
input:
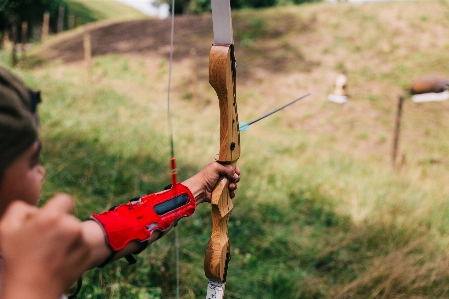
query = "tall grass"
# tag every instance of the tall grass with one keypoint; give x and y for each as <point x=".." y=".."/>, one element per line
<point x="319" y="212"/>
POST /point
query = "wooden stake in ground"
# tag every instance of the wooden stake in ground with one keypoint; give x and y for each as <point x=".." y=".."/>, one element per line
<point x="396" y="134"/>
<point x="45" y="26"/>
<point x="88" y="57"/>
<point x="14" y="43"/>
<point x="24" y="38"/>
<point x="60" y="26"/>
<point x="71" y="21"/>
<point x="6" y="41"/>
<point x="194" y="77"/>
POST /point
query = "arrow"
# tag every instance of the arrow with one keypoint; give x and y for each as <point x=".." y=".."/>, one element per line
<point x="243" y="126"/>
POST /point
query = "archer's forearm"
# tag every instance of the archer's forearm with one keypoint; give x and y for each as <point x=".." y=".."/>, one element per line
<point x="130" y="227"/>
<point x="100" y="250"/>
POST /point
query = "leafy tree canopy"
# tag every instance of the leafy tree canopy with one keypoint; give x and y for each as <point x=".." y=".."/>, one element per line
<point x="198" y="6"/>
<point x="17" y="11"/>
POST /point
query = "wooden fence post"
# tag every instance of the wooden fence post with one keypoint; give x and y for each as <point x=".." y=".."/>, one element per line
<point x="88" y="57"/>
<point x="396" y="134"/>
<point x="71" y="21"/>
<point x="14" y="43"/>
<point x="24" y="38"/>
<point x="45" y="25"/>
<point x="78" y="21"/>
<point x="194" y="76"/>
<point x="5" y="40"/>
<point x="60" y="25"/>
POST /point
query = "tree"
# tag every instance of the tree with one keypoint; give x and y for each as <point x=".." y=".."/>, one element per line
<point x="17" y="11"/>
<point x="199" y="6"/>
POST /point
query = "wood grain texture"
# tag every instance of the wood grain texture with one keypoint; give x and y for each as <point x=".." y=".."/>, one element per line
<point x="222" y="79"/>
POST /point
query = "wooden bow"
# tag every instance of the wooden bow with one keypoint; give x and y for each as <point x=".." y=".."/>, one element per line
<point x="222" y="77"/>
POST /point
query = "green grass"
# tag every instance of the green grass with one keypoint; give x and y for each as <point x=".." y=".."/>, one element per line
<point x="97" y="10"/>
<point x="319" y="212"/>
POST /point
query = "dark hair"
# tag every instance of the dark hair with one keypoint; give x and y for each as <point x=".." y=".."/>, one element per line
<point x="18" y="120"/>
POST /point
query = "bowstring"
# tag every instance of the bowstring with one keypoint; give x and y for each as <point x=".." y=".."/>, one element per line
<point x="170" y="128"/>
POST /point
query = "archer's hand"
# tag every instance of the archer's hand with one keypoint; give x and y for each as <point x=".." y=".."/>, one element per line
<point x="202" y="183"/>
<point x="43" y="249"/>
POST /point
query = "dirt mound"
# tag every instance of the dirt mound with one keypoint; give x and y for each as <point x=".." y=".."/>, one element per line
<point x="133" y="37"/>
<point x="255" y="39"/>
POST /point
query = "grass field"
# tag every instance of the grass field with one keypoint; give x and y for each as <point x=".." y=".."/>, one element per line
<point x="92" y="11"/>
<point x="320" y="213"/>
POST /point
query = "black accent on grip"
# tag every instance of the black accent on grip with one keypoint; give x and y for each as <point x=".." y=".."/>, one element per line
<point x="171" y="204"/>
<point x="233" y="61"/>
<point x="225" y="273"/>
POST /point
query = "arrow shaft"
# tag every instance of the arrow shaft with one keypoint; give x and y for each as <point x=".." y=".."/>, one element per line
<point x="276" y="110"/>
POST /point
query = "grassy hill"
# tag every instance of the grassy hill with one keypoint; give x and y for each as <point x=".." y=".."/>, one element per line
<point x="92" y="11"/>
<point x="320" y="213"/>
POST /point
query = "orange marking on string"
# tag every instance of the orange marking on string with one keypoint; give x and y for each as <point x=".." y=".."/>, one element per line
<point x="173" y="169"/>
